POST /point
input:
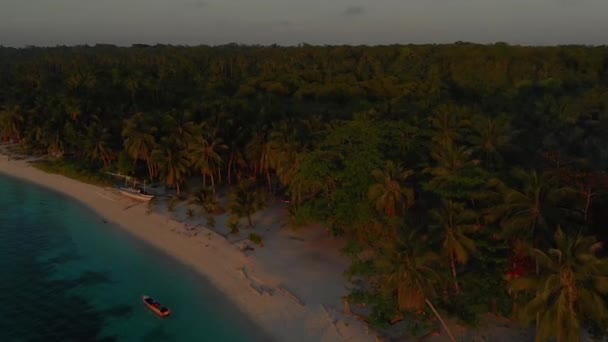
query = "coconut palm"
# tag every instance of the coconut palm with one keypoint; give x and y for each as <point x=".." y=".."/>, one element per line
<point x="205" y="199"/>
<point x="454" y="172"/>
<point x="173" y="163"/>
<point x="408" y="268"/>
<point x="448" y="123"/>
<point x="180" y="128"/>
<point x="285" y="153"/>
<point x="10" y="122"/>
<point x="258" y="153"/>
<point x="389" y="194"/>
<point x="454" y="222"/>
<point x="204" y="152"/>
<point x="139" y="141"/>
<point x="236" y="162"/>
<point x="490" y="136"/>
<point x="570" y="288"/>
<point x="245" y="199"/>
<point x="99" y="144"/>
<point x="529" y="209"/>
<point x="73" y="108"/>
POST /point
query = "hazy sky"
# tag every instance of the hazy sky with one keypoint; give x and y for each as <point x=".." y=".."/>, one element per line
<point x="288" y="22"/>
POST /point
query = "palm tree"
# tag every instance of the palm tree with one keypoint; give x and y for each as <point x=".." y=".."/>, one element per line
<point x="236" y="162"/>
<point x="450" y="159"/>
<point x="10" y="122"/>
<point x="173" y="162"/>
<point x="531" y="207"/>
<point x="570" y="288"/>
<point x="245" y="199"/>
<point x="449" y="162"/>
<point x="490" y="136"/>
<point x="447" y="122"/>
<point x="205" y="199"/>
<point x="205" y="155"/>
<point x="408" y="268"/>
<point x="285" y="152"/>
<point x="389" y="194"/>
<point x="455" y="222"/>
<point x="100" y="148"/>
<point x="258" y="153"/>
<point x="73" y="108"/>
<point x="179" y="128"/>
<point x="139" y="141"/>
<point x="133" y="85"/>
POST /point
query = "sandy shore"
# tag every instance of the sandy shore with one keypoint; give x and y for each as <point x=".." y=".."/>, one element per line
<point x="292" y="287"/>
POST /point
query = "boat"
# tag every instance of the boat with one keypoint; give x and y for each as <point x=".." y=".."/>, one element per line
<point x="135" y="193"/>
<point x="155" y="306"/>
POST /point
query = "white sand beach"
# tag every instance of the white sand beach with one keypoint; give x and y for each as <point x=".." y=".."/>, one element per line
<point x="292" y="287"/>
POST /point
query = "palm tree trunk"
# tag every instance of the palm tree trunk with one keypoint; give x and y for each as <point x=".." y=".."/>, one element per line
<point x="249" y="220"/>
<point x="177" y="184"/>
<point x="453" y="267"/>
<point x="445" y="326"/>
<point x="587" y="204"/>
<point x="149" y="168"/>
<point x="213" y="184"/>
<point x="230" y="170"/>
<point x="219" y="174"/>
<point x="269" y="183"/>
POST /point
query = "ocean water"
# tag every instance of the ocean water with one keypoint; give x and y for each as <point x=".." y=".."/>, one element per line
<point x="65" y="275"/>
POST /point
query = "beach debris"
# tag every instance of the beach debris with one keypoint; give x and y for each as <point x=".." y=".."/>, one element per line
<point x="256" y="284"/>
<point x="347" y="310"/>
<point x="184" y="229"/>
<point x="296" y="238"/>
<point x="105" y="196"/>
<point x="331" y="320"/>
<point x="290" y="295"/>
<point x="245" y="246"/>
<point x="132" y="205"/>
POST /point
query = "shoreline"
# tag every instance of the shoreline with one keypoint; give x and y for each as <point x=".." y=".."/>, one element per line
<point x="248" y="282"/>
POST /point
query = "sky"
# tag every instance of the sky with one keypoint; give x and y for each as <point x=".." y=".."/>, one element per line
<point x="292" y="22"/>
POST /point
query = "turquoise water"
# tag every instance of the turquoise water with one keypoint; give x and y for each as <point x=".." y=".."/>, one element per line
<point x="65" y="275"/>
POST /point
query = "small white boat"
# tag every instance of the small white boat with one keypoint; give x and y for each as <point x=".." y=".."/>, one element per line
<point x="136" y="193"/>
<point x="133" y="191"/>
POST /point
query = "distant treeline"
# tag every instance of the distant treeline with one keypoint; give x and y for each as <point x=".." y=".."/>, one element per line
<point x="467" y="176"/>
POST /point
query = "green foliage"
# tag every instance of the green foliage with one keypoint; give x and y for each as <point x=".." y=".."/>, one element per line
<point x="484" y="285"/>
<point x="125" y="164"/>
<point x="570" y="287"/>
<point x="340" y="173"/>
<point x="255" y="238"/>
<point x="210" y="219"/>
<point x="463" y="310"/>
<point x="190" y="213"/>
<point x="245" y="199"/>
<point x="172" y="203"/>
<point x="233" y="224"/>
<point x="301" y="216"/>
<point x="329" y="125"/>
<point x="206" y="200"/>
<point x="383" y="308"/>
<point x="77" y="171"/>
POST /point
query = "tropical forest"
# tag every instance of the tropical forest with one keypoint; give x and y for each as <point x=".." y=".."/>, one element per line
<point x="466" y="179"/>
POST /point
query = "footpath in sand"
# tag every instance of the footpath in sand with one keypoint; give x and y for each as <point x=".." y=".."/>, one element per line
<point x="292" y="287"/>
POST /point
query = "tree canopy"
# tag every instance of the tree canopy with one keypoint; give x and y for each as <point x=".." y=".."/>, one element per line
<point x="441" y="165"/>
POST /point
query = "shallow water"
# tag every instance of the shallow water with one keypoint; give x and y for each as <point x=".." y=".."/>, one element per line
<point x="65" y="275"/>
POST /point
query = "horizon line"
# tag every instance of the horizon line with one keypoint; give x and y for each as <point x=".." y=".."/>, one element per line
<point x="299" y="45"/>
